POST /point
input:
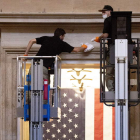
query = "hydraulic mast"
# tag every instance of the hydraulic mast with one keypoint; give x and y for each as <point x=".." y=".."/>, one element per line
<point x="121" y="89"/>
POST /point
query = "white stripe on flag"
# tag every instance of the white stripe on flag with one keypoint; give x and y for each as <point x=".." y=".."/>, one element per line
<point x="89" y="114"/>
<point x="107" y="123"/>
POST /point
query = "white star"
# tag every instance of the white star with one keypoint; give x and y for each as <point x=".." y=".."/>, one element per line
<point x="65" y="94"/>
<point x="43" y="125"/>
<point x="48" y="130"/>
<point x="64" y="136"/>
<point x="76" y="115"/>
<point x="64" y="115"/>
<point x="53" y="125"/>
<point x="70" y="100"/>
<point x="70" y="110"/>
<point x="70" y="130"/>
<point x="53" y="135"/>
<point x="70" y="120"/>
<point x="76" y="136"/>
<point x="64" y="125"/>
<point x="59" y="130"/>
<point x="43" y="136"/>
<point x="65" y="105"/>
<point x="58" y="120"/>
<point x="76" y="125"/>
<point x="76" y="95"/>
<point x="76" y="105"/>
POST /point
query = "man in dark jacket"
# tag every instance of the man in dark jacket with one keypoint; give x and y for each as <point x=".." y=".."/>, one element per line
<point x="106" y="14"/>
<point x="54" y="45"/>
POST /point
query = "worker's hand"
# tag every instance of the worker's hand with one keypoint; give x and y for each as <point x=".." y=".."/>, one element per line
<point x="96" y="39"/>
<point x="89" y="47"/>
<point x="83" y="45"/>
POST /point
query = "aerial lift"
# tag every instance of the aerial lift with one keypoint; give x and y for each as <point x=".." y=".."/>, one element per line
<point x="35" y="102"/>
<point x="122" y="51"/>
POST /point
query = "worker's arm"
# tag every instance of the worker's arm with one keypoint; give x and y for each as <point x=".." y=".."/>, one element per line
<point x="104" y="35"/>
<point x="31" y="42"/>
<point x="84" y="48"/>
<point x="97" y="39"/>
<point x="78" y="49"/>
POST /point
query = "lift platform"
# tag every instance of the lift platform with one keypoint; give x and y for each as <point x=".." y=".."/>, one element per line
<point x="36" y="100"/>
<point x="122" y="56"/>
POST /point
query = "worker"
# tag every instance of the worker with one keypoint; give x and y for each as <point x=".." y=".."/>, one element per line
<point x="106" y="14"/>
<point x="52" y="46"/>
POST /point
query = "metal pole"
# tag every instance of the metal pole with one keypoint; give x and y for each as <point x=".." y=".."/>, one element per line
<point x="31" y="57"/>
<point x="101" y="86"/>
<point x="56" y="83"/>
<point x="19" y="103"/>
<point x="59" y="85"/>
<point x="24" y="71"/>
<point x="104" y="68"/>
<point x="138" y="71"/>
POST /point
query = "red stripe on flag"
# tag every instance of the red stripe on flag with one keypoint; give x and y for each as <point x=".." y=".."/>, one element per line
<point x="98" y="116"/>
<point x="113" y="123"/>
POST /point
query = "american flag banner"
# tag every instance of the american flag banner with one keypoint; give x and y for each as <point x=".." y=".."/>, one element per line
<point x="83" y="117"/>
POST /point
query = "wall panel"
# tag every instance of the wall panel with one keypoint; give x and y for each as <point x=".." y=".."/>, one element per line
<point x="66" y="6"/>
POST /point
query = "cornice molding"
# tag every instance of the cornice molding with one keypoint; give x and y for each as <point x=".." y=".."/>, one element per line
<point x="56" y="18"/>
<point x="49" y="18"/>
<point x="93" y="55"/>
<point x="35" y="49"/>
